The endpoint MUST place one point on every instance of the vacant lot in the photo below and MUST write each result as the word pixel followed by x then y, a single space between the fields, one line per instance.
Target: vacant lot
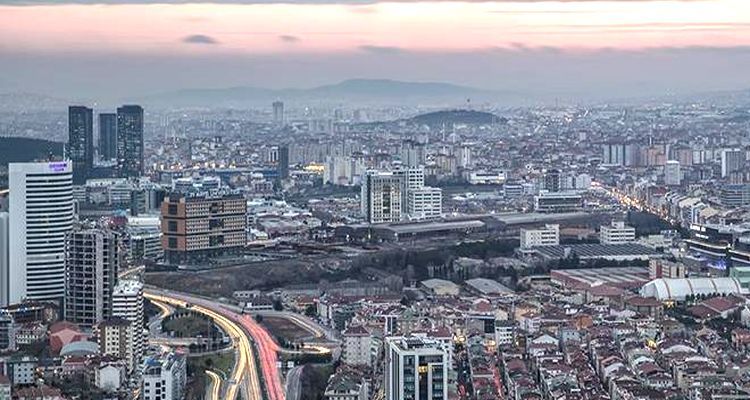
pixel 285 331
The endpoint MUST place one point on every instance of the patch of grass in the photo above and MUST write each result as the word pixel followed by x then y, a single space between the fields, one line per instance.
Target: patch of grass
pixel 188 326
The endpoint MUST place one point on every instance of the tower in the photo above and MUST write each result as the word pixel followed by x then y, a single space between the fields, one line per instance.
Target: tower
pixel 108 136
pixel 41 214
pixel 130 141
pixel 278 112
pixel 81 142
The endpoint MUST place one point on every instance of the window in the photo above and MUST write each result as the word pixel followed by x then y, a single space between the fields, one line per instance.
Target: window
pixel 172 226
pixel 172 209
pixel 172 243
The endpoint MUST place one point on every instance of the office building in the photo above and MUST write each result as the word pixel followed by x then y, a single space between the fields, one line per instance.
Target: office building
pixel 283 162
pixel 412 153
pixel 672 173
pixel 616 233
pixel 81 142
pixel 41 215
pixel 558 202
pixel 127 304
pixel 199 226
pixel 108 136
pixel 278 112
pixel 4 258
pixel 734 195
pixel 549 235
pixel 731 160
pixel 115 338
pixel 164 377
pixel 91 263
pixel 415 369
pixel 130 141
pixel 381 197
pixel 425 203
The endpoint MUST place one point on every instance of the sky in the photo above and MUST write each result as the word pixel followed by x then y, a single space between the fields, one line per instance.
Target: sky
pixel 615 48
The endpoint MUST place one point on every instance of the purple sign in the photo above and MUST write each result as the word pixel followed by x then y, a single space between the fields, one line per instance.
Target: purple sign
pixel 58 166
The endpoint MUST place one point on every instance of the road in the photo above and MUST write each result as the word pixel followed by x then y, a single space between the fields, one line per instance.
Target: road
pixel 213 390
pixel 268 356
pixel 293 383
pixel 245 372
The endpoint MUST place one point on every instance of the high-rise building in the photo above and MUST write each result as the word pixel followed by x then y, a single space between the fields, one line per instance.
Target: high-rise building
pixel 198 226
pixel 81 142
pixel 278 112
pixel 731 160
pixel 4 257
pixel 127 303
pixel 108 136
pixel 381 197
pixel 283 162
pixel 415 369
pixel 412 153
pixel 425 203
pixel 672 173
pixel 91 264
pixel 552 180
pixel 130 141
pixel 41 215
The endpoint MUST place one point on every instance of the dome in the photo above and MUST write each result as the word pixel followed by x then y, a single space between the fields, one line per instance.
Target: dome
pixel 679 289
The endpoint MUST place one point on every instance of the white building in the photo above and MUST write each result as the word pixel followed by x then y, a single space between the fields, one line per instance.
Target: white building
pixel 549 235
pixel 127 303
pixel 504 332
pixel 92 262
pixel 731 160
pixel 381 197
pixel 115 337
pixel 425 203
pixel 616 233
pixel 357 346
pixel 672 173
pixel 109 377
pixel 344 386
pixel 4 256
pixel 415 368
pixel 41 214
pixel 554 202
pixel 164 377
pixel 340 170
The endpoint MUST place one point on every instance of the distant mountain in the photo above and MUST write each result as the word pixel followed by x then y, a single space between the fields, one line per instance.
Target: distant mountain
pixel 18 149
pixel 361 90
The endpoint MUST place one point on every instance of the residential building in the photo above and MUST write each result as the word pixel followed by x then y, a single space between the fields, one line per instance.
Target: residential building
pixel 731 160
pixel 425 203
pixel 357 346
pixel 672 173
pixel 415 369
pixel 127 303
pixel 164 377
pixel 116 339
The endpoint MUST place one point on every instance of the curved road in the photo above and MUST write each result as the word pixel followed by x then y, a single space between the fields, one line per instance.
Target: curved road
pixel 214 386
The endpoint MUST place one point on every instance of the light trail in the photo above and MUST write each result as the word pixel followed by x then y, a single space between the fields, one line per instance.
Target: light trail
pixel 245 366
pixel 215 385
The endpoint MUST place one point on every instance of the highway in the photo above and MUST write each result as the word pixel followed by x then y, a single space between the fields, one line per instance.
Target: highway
pixel 245 373
pixel 213 390
pixel 293 382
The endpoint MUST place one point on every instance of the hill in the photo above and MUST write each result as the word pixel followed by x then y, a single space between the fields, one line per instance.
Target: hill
pixel 451 117
pixel 17 149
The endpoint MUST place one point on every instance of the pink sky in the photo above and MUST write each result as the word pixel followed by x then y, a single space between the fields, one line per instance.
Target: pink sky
pixel 338 27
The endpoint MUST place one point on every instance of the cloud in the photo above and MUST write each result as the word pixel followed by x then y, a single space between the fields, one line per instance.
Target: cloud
pixel 199 39
pixel 380 49
pixel 346 2
pixel 289 38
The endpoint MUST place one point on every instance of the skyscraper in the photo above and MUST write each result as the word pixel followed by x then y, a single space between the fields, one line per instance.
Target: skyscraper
pixel 283 162
pixel 415 368
pixel 278 112
pixel 4 257
pixel 108 136
pixel 91 265
pixel 130 141
pixel 41 215
pixel 81 142
pixel 731 160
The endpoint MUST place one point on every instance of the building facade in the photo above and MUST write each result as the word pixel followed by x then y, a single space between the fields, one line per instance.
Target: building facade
pixel 41 215
pixel 92 262
pixel 108 136
pixel 197 226
pixel 616 233
pixel 415 369
pixel 81 142
pixel 381 197
pixel 549 235
pixel 127 304
pixel 130 141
